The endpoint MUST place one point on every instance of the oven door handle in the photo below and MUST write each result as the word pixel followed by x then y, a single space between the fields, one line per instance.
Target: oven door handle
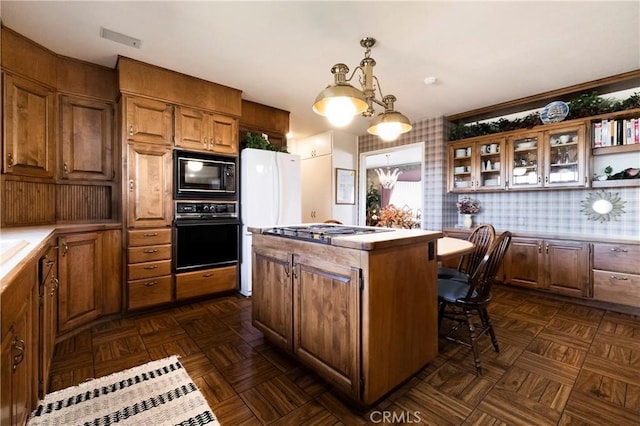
pixel 196 222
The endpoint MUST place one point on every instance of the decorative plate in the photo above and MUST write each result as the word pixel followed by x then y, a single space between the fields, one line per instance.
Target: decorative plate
pixel 554 112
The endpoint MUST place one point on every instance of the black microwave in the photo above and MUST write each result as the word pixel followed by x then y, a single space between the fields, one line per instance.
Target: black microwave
pixel 198 175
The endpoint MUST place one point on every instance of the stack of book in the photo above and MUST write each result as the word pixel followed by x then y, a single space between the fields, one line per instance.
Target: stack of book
pixel 616 132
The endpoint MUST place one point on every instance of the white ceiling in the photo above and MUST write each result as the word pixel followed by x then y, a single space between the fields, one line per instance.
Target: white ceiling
pixel 280 53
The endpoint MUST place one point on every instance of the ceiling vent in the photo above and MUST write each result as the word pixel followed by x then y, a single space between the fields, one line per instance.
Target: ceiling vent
pixel 120 38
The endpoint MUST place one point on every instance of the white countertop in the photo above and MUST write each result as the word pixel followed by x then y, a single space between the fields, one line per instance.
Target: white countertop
pixel 18 244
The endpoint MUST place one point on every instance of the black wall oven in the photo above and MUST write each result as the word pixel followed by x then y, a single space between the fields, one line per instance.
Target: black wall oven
pixel 206 235
pixel 202 176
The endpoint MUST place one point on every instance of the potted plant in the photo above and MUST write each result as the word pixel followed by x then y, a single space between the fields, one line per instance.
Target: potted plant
pixel 258 141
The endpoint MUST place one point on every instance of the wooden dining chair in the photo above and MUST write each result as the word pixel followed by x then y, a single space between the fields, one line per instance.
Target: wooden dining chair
pixel 482 236
pixel 465 303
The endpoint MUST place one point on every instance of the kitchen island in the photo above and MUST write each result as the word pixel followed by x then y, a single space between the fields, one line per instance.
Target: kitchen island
pixel 357 306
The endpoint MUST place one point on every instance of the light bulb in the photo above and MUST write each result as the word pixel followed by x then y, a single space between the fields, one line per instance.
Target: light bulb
pixel 389 131
pixel 340 111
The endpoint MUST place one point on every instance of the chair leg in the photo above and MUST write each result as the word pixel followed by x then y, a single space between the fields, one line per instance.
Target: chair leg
pixel 473 337
pixel 484 314
pixel 441 306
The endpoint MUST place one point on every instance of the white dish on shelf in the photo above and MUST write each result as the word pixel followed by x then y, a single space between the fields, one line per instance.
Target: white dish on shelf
pixel 461 152
pixel 490 182
pixel 462 184
pixel 529 144
pixel 459 169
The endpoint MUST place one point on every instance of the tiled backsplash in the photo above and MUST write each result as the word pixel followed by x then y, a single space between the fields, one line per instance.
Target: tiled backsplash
pixel 544 211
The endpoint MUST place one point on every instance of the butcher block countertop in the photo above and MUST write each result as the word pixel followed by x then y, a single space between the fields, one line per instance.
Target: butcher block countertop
pixel 392 237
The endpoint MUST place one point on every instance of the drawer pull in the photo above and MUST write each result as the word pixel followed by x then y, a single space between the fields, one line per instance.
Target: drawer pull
pixel 151 267
pixel 615 277
pixel 151 251
pixel 619 250
pixel 19 346
pixel 150 283
pixel 151 234
pixel 207 275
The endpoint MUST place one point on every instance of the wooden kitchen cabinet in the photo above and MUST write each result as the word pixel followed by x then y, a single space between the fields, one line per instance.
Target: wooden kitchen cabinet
pixel 148 120
pixel 616 273
pixel 28 128
pixel 86 139
pixel 149 186
pixel 272 308
pixel 81 279
pixel 565 159
pixel 559 266
pixel 207 132
pixel 477 165
pixel 48 293
pixel 326 324
pixel 149 279
pixel 316 178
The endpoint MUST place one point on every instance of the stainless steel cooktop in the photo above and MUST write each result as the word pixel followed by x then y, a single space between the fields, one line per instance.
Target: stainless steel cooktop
pixel 320 233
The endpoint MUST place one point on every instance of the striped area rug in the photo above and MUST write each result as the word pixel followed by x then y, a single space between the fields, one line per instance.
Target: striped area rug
pixel 157 393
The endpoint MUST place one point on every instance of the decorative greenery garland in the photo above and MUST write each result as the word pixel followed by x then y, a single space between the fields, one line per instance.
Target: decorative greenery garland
pixel 585 105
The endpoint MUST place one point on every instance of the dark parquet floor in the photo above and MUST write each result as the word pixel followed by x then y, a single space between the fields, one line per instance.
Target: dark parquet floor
pixel 559 364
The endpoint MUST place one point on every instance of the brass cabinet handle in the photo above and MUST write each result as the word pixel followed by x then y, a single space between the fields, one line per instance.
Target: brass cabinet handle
pixel 151 267
pixel 131 185
pixel 131 130
pixel 55 284
pixel 286 269
pixel 151 251
pixel 150 283
pixel 619 250
pixel 205 144
pixel 546 179
pixel 207 275
pixel 539 179
pixel 65 167
pixel 546 248
pixel 539 248
pixel 615 277
pixel 19 346
pixel 10 160
pixel 65 248
pixel 293 267
pixel 151 234
pixel 49 262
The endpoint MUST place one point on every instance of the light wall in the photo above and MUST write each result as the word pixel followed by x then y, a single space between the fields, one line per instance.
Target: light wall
pixel 543 212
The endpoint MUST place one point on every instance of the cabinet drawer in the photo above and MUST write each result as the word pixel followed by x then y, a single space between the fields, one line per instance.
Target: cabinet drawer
pixel 617 257
pixel 208 281
pixel 150 292
pixel 147 237
pixel 616 287
pixel 149 253
pixel 139 271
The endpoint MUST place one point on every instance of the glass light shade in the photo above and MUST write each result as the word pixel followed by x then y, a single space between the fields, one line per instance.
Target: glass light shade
pixel 324 102
pixel 340 111
pixel 389 125
pixel 388 179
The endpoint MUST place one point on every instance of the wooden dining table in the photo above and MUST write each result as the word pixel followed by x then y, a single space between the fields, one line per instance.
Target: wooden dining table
pixel 449 247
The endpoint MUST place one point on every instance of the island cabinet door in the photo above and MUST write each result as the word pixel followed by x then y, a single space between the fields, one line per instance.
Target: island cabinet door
pixel 271 297
pixel 326 322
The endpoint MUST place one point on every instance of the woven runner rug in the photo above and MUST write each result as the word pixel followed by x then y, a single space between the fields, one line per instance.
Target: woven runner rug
pixel 157 393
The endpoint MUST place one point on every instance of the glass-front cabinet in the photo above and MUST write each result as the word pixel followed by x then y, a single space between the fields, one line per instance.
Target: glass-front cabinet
pixel 525 168
pixel 565 158
pixel 477 165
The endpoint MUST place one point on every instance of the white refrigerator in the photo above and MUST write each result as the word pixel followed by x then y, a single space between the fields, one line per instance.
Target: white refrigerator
pixel 270 195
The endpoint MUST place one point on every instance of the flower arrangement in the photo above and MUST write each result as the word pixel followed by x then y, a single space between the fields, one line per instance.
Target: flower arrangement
pixel 393 217
pixel 468 205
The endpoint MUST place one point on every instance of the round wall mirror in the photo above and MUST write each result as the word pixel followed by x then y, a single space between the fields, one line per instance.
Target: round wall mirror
pixel 603 206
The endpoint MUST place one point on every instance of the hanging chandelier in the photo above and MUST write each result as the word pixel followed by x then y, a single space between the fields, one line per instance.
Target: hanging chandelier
pixel 388 178
pixel 341 101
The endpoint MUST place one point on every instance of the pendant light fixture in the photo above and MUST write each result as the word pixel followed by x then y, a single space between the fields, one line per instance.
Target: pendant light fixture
pixel 341 101
pixel 388 178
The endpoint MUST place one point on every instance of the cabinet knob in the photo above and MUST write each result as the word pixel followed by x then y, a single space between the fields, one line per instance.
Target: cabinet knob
pixel 65 167
pixel 539 248
pixel 65 248
pixel 9 160
pixel 205 143
pixel 131 130
pixel 131 185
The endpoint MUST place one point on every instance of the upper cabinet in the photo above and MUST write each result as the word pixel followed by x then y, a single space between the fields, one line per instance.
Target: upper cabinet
pixel 86 139
pixel 477 165
pixel 28 140
pixel 148 121
pixel 203 131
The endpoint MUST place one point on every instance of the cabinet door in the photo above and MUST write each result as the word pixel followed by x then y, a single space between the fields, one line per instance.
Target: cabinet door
pixel 87 139
pixel 49 314
pixel 326 312
pixel 567 267
pixel 192 129
pixel 271 295
pixel 28 129
pixel 80 271
pixel 462 166
pixel 525 163
pixel 522 264
pixel 224 136
pixel 149 186
pixel 148 121
pixel 317 189
pixel 565 157
pixel 491 154
pixel 315 146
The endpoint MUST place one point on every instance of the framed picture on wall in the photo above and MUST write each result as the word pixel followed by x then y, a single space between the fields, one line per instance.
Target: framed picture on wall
pixel 345 186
